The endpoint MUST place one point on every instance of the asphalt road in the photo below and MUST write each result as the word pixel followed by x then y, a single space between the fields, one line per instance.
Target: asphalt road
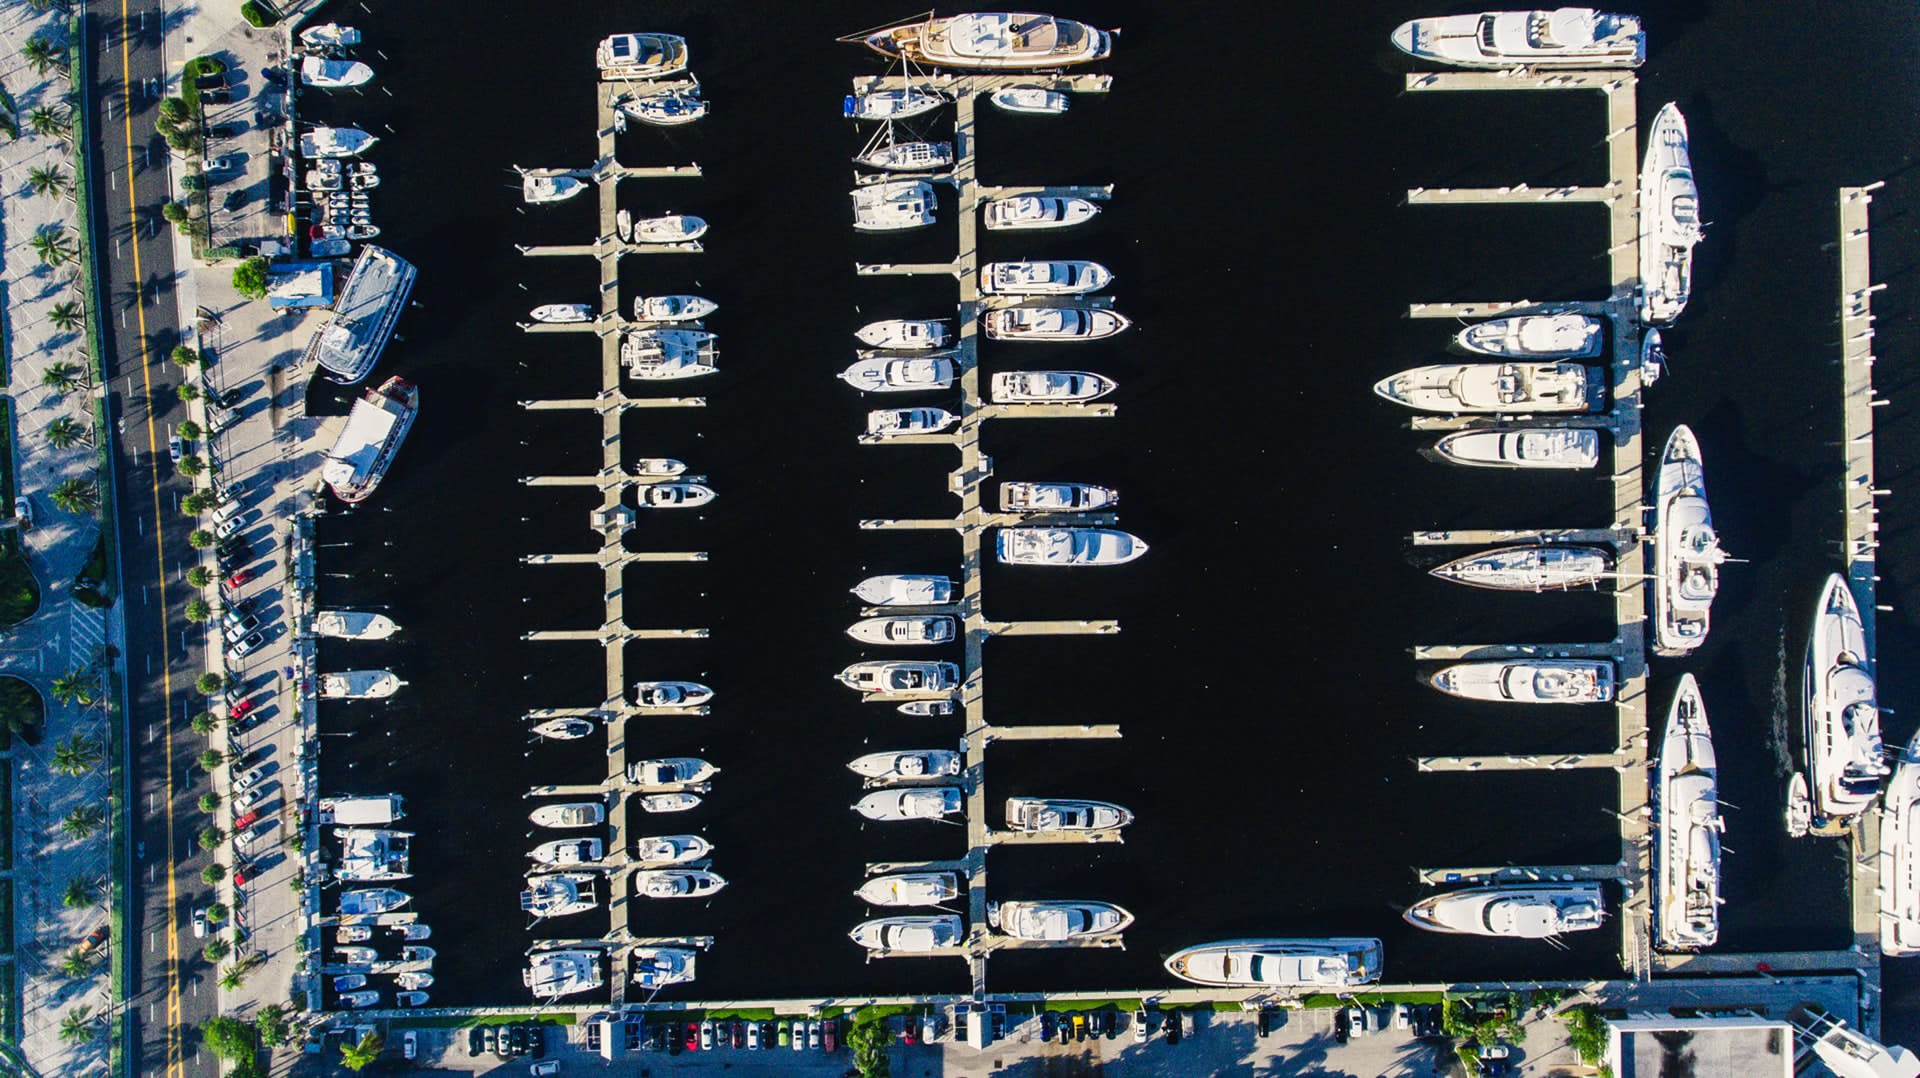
pixel 171 988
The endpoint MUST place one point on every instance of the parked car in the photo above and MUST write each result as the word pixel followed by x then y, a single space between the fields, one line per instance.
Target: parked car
pixel 23 513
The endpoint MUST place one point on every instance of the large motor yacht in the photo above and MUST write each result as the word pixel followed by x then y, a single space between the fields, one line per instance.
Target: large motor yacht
pixel 892 207
pixel 1052 323
pixel 559 894
pixel 903 630
pixel 569 814
pixel 1067 546
pixel 662 851
pixel 900 374
pixel 1062 278
pixel 1058 919
pixel 908 764
pixel 1529 447
pixel 1024 212
pixel 1845 757
pixel 1280 963
pixel 993 41
pixel 1491 387
pixel 905 589
pixel 903 676
pixel 1686 828
pixel 1537 567
pixel 1686 550
pixel 568 851
pixel 677 883
pixel 657 967
pixel 1534 336
pixel 1048 387
pixel 911 803
pixel 641 56
pixel 1042 815
pixel 1670 224
pixel 670 772
pixel 1516 911
pixel 563 972
pixel 910 889
pixel 1900 857
pixel 1562 37
pixel 1529 681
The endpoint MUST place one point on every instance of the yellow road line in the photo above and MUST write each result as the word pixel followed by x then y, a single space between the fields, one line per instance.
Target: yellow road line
pixel 175 1065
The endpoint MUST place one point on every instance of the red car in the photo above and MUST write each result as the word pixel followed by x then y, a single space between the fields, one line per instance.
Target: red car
pixel 693 1036
pixel 240 709
pixel 233 582
pixel 246 821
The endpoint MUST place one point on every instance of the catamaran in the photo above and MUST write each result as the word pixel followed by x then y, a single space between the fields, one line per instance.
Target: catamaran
pixel 1537 567
pixel 1529 681
pixel 993 41
pixel 1670 224
pixel 1532 447
pixel 1686 828
pixel 1563 37
pixel 1534 336
pixel 1841 718
pixel 1686 549
pixel 1516 911
pixel 1290 963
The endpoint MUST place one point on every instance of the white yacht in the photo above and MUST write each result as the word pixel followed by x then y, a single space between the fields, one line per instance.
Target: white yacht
pixel 330 36
pixel 1067 546
pixel 910 935
pixel 1058 919
pixel 563 312
pixel 569 815
pixel 902 676
pixel 673 495
pixel 891 207
pixel 672 308
pixel 1670 224
pixel 1534 336
pixel 559 894
pixel 993 41
pixel 373 900
pixel 904 629
pixel 669 108
pixel 1280 963
pixel 1686 828
pixel 658 967
pixel 677 883
pixel 1055 497
pixel 335 142
pixel 1845 758
pixel 673 802
pixel 670 228
pixel 567 729
pixel 567 851
pixel 1562 37
pixel 905 589
pixel 911 803
pixel 563 972
pixel 908 764
pixel 1686 549
pixel 667 354
pixel 895 422
pixel 1490 387
pixel 652 467
pixel 908 157
pixel 1530 447
pixel 365 997
pixel 890 105
pixel 1023 212
pixel 1060 278
pixel 669 772
pixel 539 188
pixel 1528 911
pixel 1031 100
pixel 1049 387
pixel 325 74
pixel 1529 681
pixel 904 334
pixel 641 56
pixel 359 685
pixel 661 851
pixel 1052 323
pixel 1036 815
pixel 904 374
pixel 910 889
pixel 353 625
pixel 670 693
pixel 1536 567
pixel 1900 857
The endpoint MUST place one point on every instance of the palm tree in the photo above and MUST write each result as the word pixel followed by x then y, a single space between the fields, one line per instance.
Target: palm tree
pixel 66 315
pixel 76 686
pixel 76 965
pixel 358 1056
pixel 78 496
pixel 77 1025
pixel 49 121
pixel 76 755
pixel 40 55
pixel 83 821
pixel 61 377
pixel 65 432
pixel 47 181
pixel 79 893
pixel 51 243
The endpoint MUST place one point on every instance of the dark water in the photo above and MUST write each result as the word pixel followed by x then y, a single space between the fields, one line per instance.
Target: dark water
pixel 1270 710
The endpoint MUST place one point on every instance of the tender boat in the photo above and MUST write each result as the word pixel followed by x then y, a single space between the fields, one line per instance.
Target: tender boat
pixel 909 935
pixel 1529 681
pixel 911 803
pixel 892 105
pixel 1534 336
pixel 1042 815
pixel 570 729
pixel 672 308
pixel 908 157
pixel 1061 278
pixel 905 589
pixel 567 851
pixel 1057 919
pixel 1037 211
pixel 357 956
pixel 661 851
pixel 891 207
pixel 658 466
pixel 569 815
pixel 1563 37
pixel 366 997
pixel 641 56
pixel 1686 828
pixel 350 981
pixel 895 422
pixel 1490 387
pixel 671 693
pixel 1900 857
pixel 1686 549
pixel 329 36
pixel 1533 447
pixel 1052 324
pixel 668 354
pixel 1516 911
pixel 1536 567
pixel 674 802
pixel 1055 497
pixel 325 74
pixel 1845 758
pixel 907 374
pixel 910 889
pixel 993 41
pixel 564 312
pixel 373 900
pixel 901 677
pixel 672 228
pixel 1280 963
pixel 559 894
pixel 902 334
pixel 1032 100
pixel 677 883
pixel 1049 387
pixel 375 430
pixel 1670 224
pixel 906 629
pixel 335 142
pixel 910 764
pixel 668 772
pixel 1799 812
pixel 669 108
pixel 538 188
pixel 410 999
pixel 658 967
pixel 1068 546
pixel 925 708
pixel 673 495
pixel 563 972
